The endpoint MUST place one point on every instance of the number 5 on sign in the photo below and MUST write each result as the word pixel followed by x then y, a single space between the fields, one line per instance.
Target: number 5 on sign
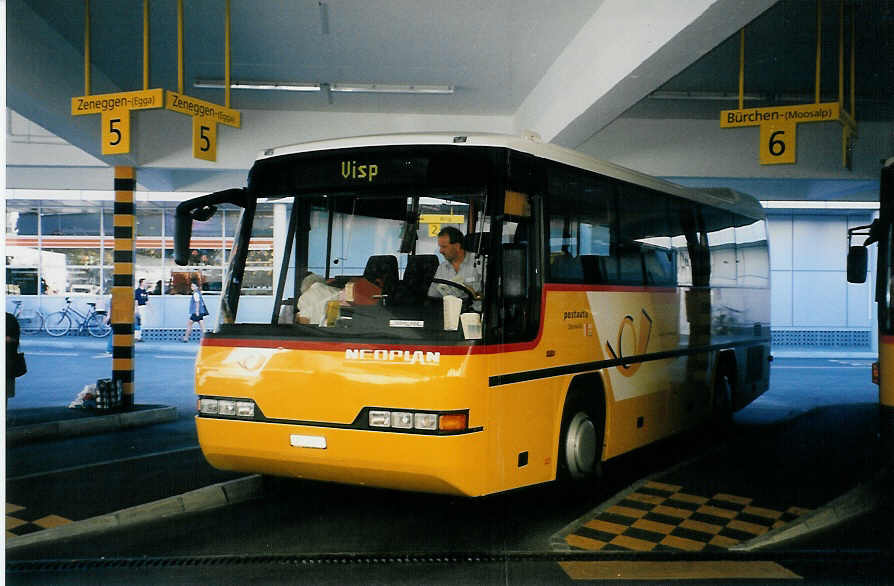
pixel 778 142
pixel 115 132
pixel 204 138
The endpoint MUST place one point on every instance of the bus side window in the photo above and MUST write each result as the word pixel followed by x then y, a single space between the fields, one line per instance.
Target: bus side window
pixel 659 267
pixel 630 264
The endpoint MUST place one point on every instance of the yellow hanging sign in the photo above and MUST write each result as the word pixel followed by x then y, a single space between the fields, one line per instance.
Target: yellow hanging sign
pixel 441 219
pixel 778 140
pixel 823 112
pixel 115 110
pixel 778 126
pixel 138 100
pixel 204 138
pixel 116 132
pixel 206 116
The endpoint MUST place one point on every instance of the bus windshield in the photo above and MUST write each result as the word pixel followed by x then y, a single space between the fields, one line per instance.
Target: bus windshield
pixel 362 261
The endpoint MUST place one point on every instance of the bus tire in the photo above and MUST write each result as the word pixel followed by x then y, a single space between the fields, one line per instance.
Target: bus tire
pixel 580 441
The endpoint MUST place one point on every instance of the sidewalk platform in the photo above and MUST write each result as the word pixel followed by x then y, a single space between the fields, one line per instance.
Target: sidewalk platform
pixel 88 500
pixel 45 507
pixel 772 484
pixel 47 423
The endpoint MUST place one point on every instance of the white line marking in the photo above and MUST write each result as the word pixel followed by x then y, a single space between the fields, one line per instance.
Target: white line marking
pixel 52 354
pixel 840 367
pixel 174 356
pixel 103 463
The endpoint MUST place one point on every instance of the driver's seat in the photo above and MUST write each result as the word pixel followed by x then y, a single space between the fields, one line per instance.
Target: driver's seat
pixel 420 271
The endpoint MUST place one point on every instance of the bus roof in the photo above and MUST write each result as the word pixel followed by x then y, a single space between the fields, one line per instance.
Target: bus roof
pixel 742 203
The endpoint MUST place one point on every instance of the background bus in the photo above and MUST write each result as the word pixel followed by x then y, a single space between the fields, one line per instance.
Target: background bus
pixel 880 231
pixel 614 309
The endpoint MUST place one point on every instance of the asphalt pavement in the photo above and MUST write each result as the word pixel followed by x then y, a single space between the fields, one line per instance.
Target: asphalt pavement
pixel 59 368
pixel 805 457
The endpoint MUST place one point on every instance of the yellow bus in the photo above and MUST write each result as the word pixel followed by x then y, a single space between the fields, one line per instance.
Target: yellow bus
pixel 595 311
pixel 881 231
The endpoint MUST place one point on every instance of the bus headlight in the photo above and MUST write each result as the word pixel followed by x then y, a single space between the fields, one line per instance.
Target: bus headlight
pixel 380 418
pixel 208 406
pixel 402 420
pixel 245 409
pixel 450 421
pixel 427 421
pixel 226 407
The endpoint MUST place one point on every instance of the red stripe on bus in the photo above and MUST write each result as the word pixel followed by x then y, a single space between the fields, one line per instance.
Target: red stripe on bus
pixel 608 288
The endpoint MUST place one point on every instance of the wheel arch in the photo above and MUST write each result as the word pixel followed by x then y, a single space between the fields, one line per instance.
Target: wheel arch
pixel 585 390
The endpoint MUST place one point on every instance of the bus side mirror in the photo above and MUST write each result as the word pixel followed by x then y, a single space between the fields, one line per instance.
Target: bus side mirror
pixel 856 264
pixel 201 209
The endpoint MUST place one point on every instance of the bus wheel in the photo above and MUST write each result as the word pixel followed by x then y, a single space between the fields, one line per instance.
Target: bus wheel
pixel 580 444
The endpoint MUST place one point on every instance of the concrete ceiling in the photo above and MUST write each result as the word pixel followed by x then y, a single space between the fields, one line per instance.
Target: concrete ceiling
pixel 565 70
pixel 780 62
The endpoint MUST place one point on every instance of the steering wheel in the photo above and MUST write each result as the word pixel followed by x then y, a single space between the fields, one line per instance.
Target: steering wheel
pixel 470 295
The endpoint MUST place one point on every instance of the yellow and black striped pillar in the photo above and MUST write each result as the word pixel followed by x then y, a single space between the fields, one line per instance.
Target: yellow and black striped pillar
pixel 123 283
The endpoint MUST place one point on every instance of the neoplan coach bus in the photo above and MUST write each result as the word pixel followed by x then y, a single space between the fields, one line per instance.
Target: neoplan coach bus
pixel 607 310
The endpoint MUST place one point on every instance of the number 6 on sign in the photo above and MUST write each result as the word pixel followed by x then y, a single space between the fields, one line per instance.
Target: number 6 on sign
pixel 204 138
pixel 115 132
pixel 778 142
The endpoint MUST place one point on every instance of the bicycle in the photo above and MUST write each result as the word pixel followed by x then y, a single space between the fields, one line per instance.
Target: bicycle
pixel 59 322
pixel 30 321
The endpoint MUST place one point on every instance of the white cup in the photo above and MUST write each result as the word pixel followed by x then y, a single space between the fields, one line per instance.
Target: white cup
pixel 452 306
pixel 471 325
pixel 286 314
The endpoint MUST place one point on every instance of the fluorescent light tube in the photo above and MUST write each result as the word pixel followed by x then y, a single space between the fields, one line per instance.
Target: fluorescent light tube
pixel 287 86
pixel 386 88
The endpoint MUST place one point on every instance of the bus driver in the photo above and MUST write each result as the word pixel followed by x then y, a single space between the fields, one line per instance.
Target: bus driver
pixel 459 266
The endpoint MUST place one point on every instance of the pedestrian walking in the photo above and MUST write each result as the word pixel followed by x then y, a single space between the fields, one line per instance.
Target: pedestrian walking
pixel 197 312
pixel 141 300
pixel 107 319
pixel 15 360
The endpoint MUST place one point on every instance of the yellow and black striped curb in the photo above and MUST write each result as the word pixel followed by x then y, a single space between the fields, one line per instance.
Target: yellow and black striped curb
pixel 203 499
pixel 654 516
pixel 88 425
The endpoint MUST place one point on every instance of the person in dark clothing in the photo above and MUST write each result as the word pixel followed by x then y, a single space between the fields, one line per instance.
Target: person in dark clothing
pixel 141 299
pixel 12 355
